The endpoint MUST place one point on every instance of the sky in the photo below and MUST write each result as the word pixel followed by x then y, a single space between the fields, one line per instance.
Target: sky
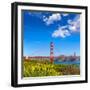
pixel 42 27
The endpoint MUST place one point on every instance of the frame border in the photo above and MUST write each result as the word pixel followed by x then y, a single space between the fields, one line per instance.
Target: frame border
pixel 14 43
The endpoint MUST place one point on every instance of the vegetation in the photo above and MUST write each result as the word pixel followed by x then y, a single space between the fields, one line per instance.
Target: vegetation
pixel 39 68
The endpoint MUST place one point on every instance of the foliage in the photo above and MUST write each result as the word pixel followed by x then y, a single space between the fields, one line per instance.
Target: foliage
pixel 39 68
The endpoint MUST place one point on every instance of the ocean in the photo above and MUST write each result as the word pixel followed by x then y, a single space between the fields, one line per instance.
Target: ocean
pixel 76 62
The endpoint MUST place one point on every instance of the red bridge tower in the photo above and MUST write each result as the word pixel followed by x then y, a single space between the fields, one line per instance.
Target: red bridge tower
pixel 51 52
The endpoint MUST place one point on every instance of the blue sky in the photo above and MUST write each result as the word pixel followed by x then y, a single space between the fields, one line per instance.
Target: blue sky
pixel 40 28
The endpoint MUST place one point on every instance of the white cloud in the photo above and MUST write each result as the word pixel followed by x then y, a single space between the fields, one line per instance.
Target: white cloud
pixel 65 14
pixel 72 28
pixel 64 31
pixel 36 14
pixel 61 33
pixel 74 25
pixel 51 19
pixel 69 21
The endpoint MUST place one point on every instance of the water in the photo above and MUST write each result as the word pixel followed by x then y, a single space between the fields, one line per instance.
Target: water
pixel 76 62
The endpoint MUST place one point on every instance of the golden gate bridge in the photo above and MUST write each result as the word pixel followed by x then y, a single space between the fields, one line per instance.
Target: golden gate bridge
pixel 51 57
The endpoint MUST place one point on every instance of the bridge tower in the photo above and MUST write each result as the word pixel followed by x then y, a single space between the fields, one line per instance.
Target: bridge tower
pixel 51 52
pixel 74 54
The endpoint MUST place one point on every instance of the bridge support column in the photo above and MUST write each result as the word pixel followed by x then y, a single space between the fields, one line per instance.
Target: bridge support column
pixel 51 52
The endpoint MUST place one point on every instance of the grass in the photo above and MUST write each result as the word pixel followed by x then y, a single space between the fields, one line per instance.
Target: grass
pixel 40 68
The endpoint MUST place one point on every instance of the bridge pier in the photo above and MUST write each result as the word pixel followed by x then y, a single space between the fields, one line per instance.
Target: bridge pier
pixel 51 52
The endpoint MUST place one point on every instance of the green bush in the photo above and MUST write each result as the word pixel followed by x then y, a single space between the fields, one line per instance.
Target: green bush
pixel 39 68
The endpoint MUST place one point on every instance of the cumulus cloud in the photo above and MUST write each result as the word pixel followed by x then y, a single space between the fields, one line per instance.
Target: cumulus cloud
pixel 71 27
pixel 36 14
pixel 65 14
pixel 74 25
pixel 51 19
pixel 61 32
